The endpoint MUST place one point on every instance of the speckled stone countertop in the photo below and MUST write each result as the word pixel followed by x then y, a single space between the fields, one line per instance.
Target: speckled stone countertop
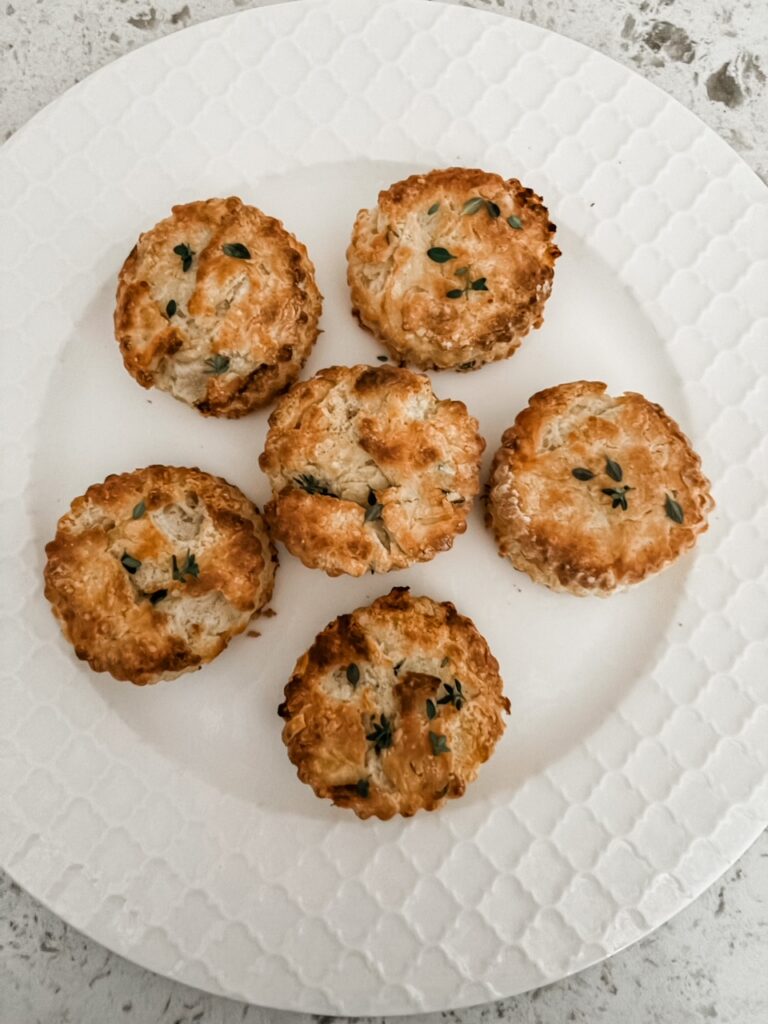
pixel 709 963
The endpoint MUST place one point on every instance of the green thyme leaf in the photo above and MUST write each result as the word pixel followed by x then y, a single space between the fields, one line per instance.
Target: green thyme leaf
pixel 353 674
pixel 236 250
pixel 217 364
pixel 492 208
pixel 466 366
pixel 613 469
pixel 673 509
pixel 454 293
pixel 479 285
pixel 130 564
pixel 190 568
pixel 312 485
pixel 396 668
pixel 381 736
pixel 157 595
pixel 618 496
pixel 472 205
pixel 431 710
pixel 439 744
pixel 139 510
pixel 363 788
pixel 453 695
pixel 433 209
pixel 446 661
pixel 439 255
pixel 582 474
pixel 374 509
pixel 185 254
pixel 461 272
pixel 514 222
pixel 170 309
pixel 383 359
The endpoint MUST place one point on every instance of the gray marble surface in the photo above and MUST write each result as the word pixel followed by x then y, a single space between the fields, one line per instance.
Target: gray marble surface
pixel 709 963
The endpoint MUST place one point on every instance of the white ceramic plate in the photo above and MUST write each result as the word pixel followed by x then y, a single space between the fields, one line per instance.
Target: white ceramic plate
pixel 167 822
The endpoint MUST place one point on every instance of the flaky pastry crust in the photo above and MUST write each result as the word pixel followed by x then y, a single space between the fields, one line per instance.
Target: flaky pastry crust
pixel 369 470
pixel 637 500
pixel 218 305
pixel 467 310
pixel 394 708
pixel 152 572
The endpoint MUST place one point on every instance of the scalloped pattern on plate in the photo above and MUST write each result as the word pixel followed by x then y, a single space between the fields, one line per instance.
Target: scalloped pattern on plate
pixel 601 845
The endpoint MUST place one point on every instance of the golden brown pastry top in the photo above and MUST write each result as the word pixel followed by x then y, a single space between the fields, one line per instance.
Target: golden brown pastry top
pixel 589 493
pixel 152 572
pixel 495 246
pixel 369 470
pixel 394 707
pixel 218 305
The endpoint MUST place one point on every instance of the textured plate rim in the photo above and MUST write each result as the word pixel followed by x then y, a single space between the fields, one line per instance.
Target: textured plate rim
pixel 219 26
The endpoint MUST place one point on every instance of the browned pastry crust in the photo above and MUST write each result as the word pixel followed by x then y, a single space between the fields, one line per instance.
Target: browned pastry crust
pixel 568 533
pixel 238 328
pixel 429 313
pixel 369 470
pixel 380 694
pixel 152 572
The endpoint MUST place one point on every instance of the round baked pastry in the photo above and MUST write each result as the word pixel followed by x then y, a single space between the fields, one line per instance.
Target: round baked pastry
pixel 590 493
pixel 452 269
pixel 218 305
pixel 152 572
pixel 394 707
pixel 369 470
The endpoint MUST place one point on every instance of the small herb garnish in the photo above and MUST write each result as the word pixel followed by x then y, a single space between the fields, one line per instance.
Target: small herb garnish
pixel 431 710
pixel 374 509
pixel 383 359
pixel 396 668
pixel 453 695
pixel 312 485
pixel 439 255
pixel 477 203
pixel 478 285
pixel 514 222
pixel 236 250
pixel 190 568
pixel 613 469
pixel 618 496
pixel 139 510
pixel 466 366
pixel 130 564
pixel 185 254
pixel 433 209
pixel 673 509
pixel 446 661
pixel 217 364
pixel 363 788
pixel 381 736
pixel 353 674
pixel 439 744
pixel 157 595
pixel 170 309
pixel 582 474
pixel 472 205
